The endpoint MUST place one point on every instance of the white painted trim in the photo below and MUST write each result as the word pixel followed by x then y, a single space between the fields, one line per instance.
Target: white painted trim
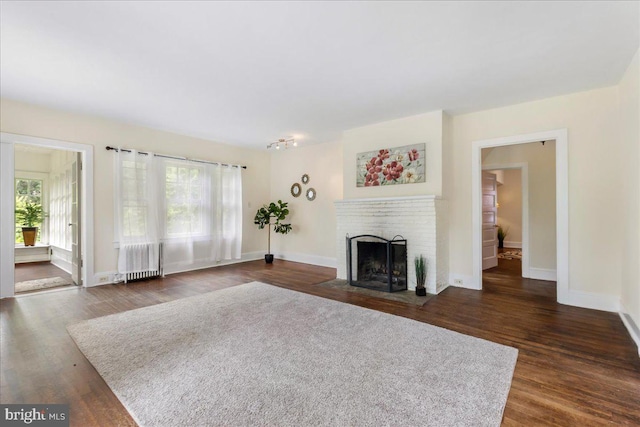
pixel 524 182
pixel 44 177
pixel 542 274
pixel 467 281
pixel 47 291
pixel 60 262
pixel 7 222
pixel 593 301
pixel 388 199
pixel 441 287
pixel 109 278
pixel 87 200
pixel 562 203
pixel 508 244
pixel 562 215
pixel 631 326
pixel 308 259
pixel 32 254
pixel 248 256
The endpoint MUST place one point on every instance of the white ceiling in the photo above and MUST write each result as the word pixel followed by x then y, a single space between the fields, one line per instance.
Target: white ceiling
pixel 248 73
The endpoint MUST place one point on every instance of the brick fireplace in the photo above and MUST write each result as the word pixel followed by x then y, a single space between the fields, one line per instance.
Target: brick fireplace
pixel 421 220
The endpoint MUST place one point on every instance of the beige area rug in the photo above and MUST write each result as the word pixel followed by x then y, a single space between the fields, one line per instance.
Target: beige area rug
pixel 36 285
pixel 402 296
pixel 256 354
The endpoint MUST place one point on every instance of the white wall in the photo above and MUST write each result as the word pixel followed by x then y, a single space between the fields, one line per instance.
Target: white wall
pixel 542 197
pixel 594 181
pixel 25 119
pixel 510 210
pixel 424 128
pixel 32 161
pixel 628 213
pixel 313 238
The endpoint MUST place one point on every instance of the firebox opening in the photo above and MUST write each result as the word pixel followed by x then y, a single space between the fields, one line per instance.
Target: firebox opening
pixel 380 265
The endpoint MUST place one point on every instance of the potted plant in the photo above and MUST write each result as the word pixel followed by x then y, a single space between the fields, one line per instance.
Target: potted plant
pixel 29 214
pixel 272 214
pixel 502 233
pixel 421 275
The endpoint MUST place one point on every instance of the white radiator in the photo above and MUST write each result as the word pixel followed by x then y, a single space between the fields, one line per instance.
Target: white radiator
pixel 140 275
pixel 146 274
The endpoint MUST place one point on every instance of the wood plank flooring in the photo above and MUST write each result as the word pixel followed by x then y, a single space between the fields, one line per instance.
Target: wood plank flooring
pixel 38 270
pixel 575 366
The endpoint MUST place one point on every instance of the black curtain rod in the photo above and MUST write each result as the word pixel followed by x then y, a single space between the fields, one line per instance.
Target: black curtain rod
pixel 175 157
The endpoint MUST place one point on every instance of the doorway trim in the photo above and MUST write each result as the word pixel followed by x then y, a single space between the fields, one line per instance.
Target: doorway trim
pixel 524 178
pixel 562 202
pixel 7 201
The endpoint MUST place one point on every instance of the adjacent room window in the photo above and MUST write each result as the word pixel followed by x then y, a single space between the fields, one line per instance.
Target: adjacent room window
pixel 28 191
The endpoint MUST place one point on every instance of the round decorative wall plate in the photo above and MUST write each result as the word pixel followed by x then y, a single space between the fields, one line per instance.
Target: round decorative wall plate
pixel 311 194
pixel 296 190
pixel 305 179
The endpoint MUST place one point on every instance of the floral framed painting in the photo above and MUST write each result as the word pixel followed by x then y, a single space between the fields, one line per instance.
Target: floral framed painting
pixel 391 166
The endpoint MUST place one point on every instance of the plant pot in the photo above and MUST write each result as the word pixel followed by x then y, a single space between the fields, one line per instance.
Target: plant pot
pixel 500 244
pixel 421 292
pixel 29 235
pixel 268 258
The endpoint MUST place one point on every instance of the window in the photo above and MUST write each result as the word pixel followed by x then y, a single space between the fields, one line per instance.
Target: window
pixel 28 191
pixel 184 189
pixel 194 209
pixel 135 199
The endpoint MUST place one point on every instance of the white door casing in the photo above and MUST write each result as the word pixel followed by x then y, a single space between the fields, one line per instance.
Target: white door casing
pixel 562 203
pixel 75 224
pixel 7 221
pixel 489 218
pixel 7 202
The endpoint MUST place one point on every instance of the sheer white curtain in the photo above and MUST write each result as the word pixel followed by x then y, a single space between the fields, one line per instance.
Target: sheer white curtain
pixel 136 212
pixel 201 213
pixel 226 220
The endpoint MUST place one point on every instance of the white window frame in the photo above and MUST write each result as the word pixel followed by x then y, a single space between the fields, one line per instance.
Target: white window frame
pixel 44 177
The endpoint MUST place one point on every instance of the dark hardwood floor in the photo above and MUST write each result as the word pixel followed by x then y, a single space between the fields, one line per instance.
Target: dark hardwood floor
pixel 575 366
pixel 38 270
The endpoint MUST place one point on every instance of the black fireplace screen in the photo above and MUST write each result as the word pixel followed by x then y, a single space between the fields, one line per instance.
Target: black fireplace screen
pixel 377 263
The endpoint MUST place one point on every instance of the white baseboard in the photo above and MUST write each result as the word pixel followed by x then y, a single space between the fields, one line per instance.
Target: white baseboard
pixel 631 326
pixel 25 254
pixel 102 278
pixel 61 258
pixel 108 277
pixel 510 244
pixel 441 287
pixel 593 301
pixel 248 256
pixel 462 281
pixel 542 274
pixel 61 264
pixel 308 259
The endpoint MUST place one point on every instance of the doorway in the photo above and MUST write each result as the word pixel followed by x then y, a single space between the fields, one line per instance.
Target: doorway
pixel 47 218
pixel 512 205
pixel 561 203
pixel 82 184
